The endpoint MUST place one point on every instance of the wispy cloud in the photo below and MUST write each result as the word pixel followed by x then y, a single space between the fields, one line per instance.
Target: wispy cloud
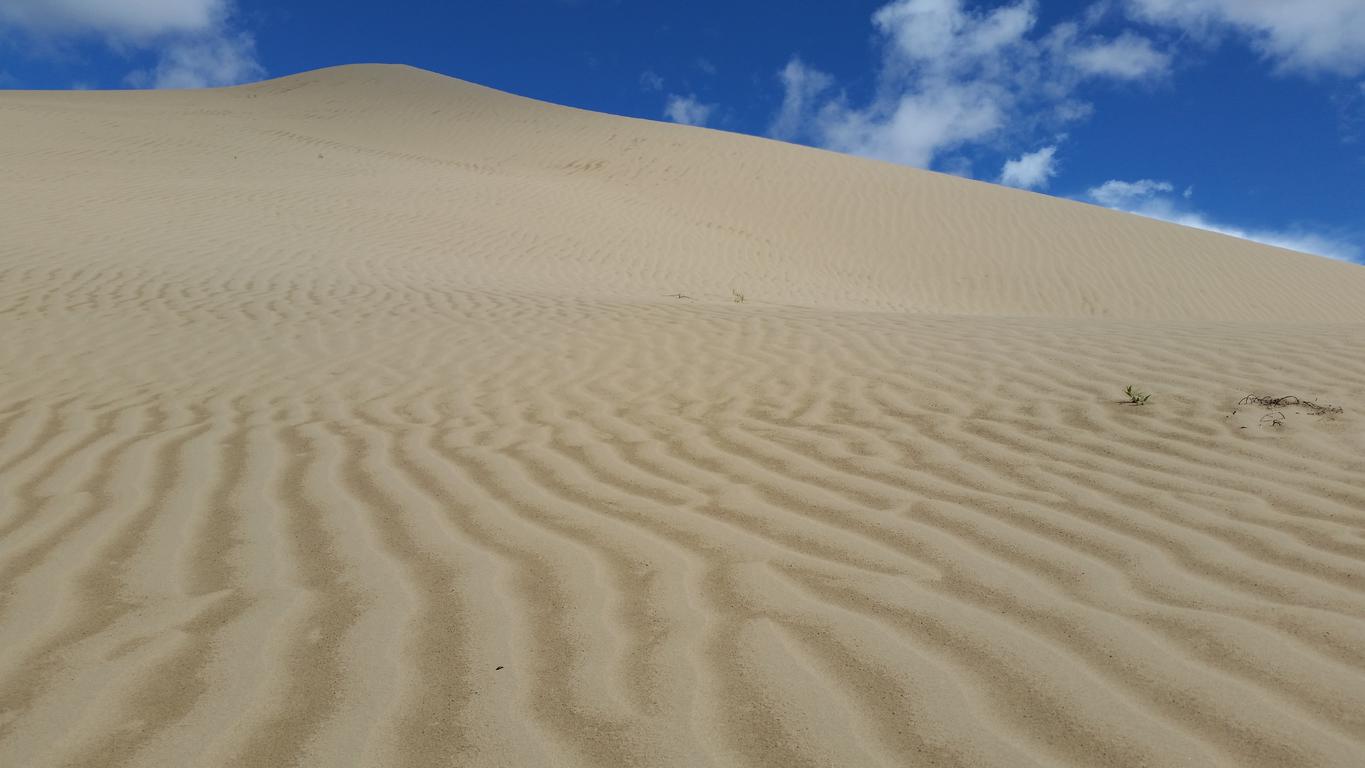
pixel 196 42
pixel 137 20
pixel 801 89
pixel 651 80
pixel 688 110
pixel 1032 170
pixel 200 62
pixel 1125 195
pixel 1126 57
pixel 1303 35
pixel 1350 106
pixel 1156 199
pixel 952 77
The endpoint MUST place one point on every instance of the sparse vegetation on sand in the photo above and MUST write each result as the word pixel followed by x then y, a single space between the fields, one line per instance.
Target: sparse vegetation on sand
pixel 1292 401
pixel 1276 407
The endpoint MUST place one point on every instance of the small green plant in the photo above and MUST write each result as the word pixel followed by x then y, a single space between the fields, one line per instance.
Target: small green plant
pixel 736 296
pixel 1134 396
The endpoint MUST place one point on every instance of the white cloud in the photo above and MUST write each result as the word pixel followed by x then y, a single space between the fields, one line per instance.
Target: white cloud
pixel 915 127
pixel 1154 199
pixel 136 20
pixel 1127 57
pixel 946 80
pixel 651 81
pixel 1032 170
pixel 1125 194
pixel 801 87
pixel 194 41
pixel 1303 35
pixel 945 37
pixel 203 63
pixel 687 110
pixel 952 77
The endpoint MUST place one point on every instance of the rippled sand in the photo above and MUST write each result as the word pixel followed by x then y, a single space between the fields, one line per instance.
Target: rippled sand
pixel 368 417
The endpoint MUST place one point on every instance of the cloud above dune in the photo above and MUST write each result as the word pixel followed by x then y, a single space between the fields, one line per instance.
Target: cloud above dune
pixel 1032 170
pixel 801 88
pixel 1156 199
pixel 1310 36
pixel 224 59
pixel 1124 194
pixel 687 110
pixel 123 20
pixel 195 43
pixel 959 83
pixel 951 77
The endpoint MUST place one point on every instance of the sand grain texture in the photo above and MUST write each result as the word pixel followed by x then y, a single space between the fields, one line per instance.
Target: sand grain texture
pixel 346 419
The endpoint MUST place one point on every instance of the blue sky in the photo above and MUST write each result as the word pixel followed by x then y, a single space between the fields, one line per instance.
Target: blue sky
pixel 1245 116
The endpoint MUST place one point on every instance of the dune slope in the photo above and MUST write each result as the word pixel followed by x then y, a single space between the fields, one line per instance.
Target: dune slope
pixel 369 417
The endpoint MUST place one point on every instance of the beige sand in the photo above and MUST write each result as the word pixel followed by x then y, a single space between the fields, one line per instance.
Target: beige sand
pixel 347 419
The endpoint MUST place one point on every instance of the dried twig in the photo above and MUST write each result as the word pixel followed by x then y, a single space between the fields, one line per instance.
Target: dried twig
pixel 1285 401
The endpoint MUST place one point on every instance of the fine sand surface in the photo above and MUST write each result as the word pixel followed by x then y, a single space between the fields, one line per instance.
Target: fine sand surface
pixel 346 419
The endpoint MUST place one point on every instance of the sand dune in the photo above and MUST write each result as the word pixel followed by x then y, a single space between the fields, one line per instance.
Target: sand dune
pixel 353 418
